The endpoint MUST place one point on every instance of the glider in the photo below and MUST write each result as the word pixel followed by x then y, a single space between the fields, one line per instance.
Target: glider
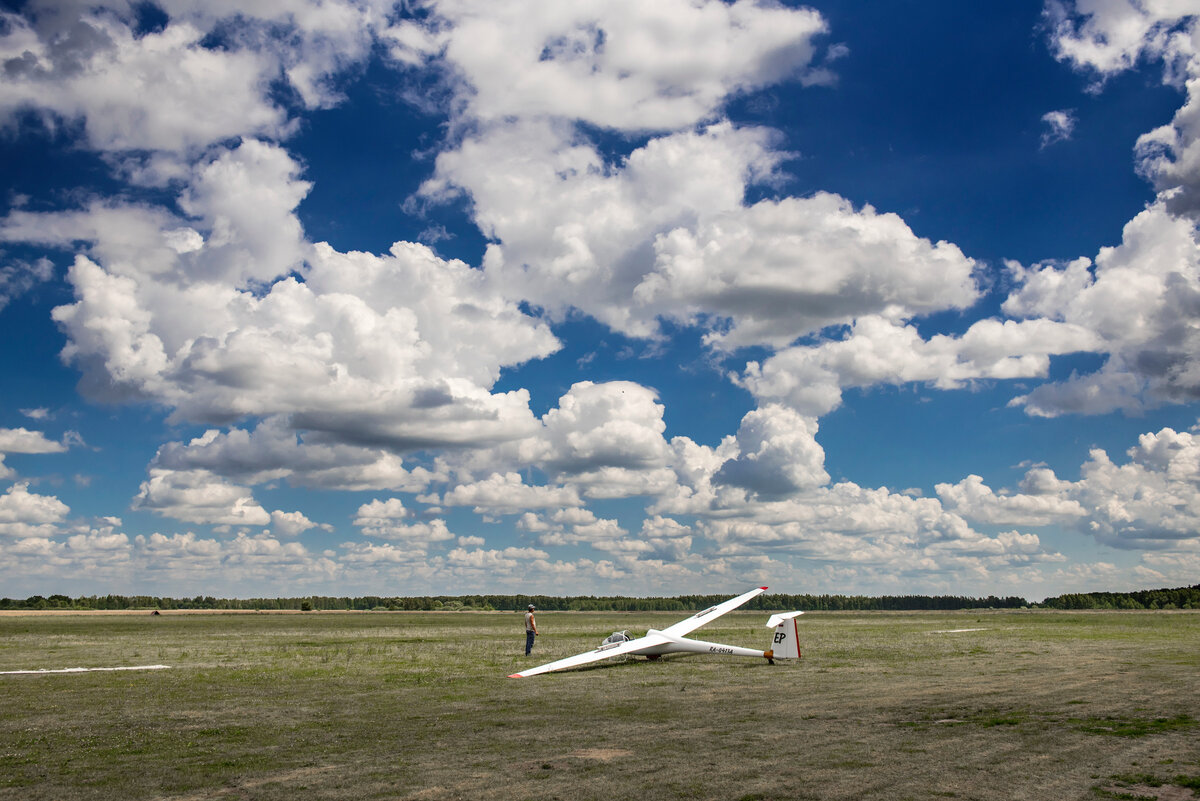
pixel 671 640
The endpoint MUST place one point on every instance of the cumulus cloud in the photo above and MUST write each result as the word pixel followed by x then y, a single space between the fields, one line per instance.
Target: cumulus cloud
pixel 669 539
pixel 196 81
pixel 273 451
pixel 1110 37
pixel 378 372
pixel 581 527
pixel 574 231
pixel 1106 38
pixel 199 496
pixel 872 529
pixel 810 378
pixel 605 438
pixel 22 440
pixel 778 454
pixel 779 270
pixel 667 227
pixel 974 500
pixel 1152 501
pixel 381 520
pixel 28 514
pixel 187 561
pixel 1140 300
pixel 614 424
pixel 377 512
pixel 1169 156
pixel 624 64
pixel 376 349
pixel 163 90
pixel 507 493
pixel 291 524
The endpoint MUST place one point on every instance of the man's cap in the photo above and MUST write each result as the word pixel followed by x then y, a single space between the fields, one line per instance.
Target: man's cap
pixel 532 607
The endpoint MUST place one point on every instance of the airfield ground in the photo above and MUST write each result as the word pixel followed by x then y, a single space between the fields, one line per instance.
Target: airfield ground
pixel 1026 705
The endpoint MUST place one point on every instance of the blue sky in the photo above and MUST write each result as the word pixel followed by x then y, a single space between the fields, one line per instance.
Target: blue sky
pixel 360 297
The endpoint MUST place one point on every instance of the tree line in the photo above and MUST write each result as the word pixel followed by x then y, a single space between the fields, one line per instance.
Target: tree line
pixel 1180 598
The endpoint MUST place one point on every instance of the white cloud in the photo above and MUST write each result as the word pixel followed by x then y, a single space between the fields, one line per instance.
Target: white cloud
pixel 605 439
pixel 480 559
pixel 853 526
pixel 378 513
pixel 208 75
pixel 811 378
pixel 506 493
pixel 398 350
pixel 245 198
pixel 199 496
pixel 380 520
pixel 1151 502
pixel 670 539
pixel 778 454
pixel 667 227
pixel 974 500
pixel 182 564
pixel 419 534
pixel 27 514
pixel 370 554
pixel 1169 156
pixel 1140 504
pixel 1139 300
pixel 273 450
pixel 624 64
pixel 19 277
pixel 1060 125
pixel 291 524
pixel 1106 37
pixel 163 90
pixel 779 270
pixel 1167 570
pixel 575 232
pixel 22 440
pixel 1110 36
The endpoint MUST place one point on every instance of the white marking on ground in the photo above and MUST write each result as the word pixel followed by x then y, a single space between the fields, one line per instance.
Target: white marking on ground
pixel 84 670
pixel 955 631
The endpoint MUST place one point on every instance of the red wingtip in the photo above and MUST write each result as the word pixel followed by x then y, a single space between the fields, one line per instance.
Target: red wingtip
pixel 515 676
pixel 762 588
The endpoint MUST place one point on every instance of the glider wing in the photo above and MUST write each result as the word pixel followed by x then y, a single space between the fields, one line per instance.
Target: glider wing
pixel 603 652
pixel 697 620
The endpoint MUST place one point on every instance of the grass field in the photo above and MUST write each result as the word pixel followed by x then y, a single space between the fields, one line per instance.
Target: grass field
pixel 1033 705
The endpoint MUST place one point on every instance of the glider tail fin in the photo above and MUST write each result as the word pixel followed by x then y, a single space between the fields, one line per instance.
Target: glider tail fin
pixel 785 643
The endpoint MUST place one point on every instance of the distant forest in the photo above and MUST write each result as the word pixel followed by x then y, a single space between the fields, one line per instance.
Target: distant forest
pixel 1181 598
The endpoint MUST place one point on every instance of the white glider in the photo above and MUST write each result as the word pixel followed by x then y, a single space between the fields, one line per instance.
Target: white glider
pixel 671 640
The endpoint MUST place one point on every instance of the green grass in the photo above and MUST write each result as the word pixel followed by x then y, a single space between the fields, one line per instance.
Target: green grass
pixel 1135 727
pixel 416 705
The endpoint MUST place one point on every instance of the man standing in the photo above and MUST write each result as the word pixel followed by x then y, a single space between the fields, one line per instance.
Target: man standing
pixel 530 630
